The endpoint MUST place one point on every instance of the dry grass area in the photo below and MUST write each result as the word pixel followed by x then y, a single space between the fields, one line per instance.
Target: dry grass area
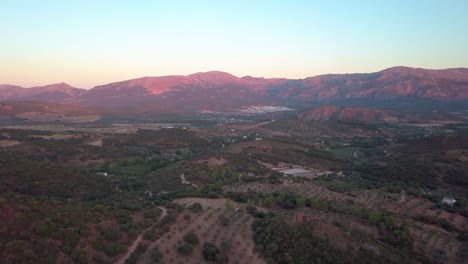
pixel 459 154
pixel 8 143
pixel 216 224
pixel 96 143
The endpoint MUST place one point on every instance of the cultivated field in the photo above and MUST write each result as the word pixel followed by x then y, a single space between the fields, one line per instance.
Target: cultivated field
pixel 318 129
pixel 217 224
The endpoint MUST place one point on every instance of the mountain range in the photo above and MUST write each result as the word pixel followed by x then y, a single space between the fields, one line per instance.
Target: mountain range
pixel 395 88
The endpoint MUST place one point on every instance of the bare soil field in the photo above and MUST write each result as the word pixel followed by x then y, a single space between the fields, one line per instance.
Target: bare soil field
pixel 8 143
pixel 300 171
pixel 57 136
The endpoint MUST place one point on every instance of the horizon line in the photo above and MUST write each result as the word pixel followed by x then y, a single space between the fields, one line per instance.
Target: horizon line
pixel 225 72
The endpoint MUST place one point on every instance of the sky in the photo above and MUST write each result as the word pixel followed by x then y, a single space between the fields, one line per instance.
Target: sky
pixel 87 43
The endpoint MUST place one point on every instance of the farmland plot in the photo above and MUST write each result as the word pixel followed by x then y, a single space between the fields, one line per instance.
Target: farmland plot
pixel 223 226
pixel 263 144
pixel 317 129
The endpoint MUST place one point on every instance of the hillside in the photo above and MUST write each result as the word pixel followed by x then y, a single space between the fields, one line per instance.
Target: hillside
pixel 373 115
pixel 398 87
pixel 45 111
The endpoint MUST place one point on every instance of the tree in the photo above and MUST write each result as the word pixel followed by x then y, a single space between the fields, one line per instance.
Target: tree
pixel 209 251
pixel 191 238
pixel 185 250
pixel 150 235
pixel 251 209
pixel 156 255
pixel 221 258
pixel 196 208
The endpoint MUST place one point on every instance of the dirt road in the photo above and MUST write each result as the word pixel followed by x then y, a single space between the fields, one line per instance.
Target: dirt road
pixel 135 243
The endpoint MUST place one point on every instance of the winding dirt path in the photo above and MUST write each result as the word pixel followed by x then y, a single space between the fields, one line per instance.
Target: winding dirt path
pixel 135 243
pixel 184 181
pixel 355 154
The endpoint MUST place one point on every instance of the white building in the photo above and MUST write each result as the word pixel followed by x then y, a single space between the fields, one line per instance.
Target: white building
pixel 448 200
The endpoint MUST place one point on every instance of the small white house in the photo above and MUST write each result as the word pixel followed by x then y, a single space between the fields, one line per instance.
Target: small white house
pixel 448 200
pixel 340 174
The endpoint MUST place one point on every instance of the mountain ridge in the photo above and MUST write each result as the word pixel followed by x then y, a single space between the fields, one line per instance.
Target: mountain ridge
pixel 222 91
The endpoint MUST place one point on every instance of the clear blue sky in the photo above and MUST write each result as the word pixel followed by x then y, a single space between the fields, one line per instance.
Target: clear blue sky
pixel 86 43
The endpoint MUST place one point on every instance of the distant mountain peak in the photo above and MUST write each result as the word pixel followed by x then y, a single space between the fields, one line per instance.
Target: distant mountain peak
pixel 61 85
pixel 400 68
pixel 212 76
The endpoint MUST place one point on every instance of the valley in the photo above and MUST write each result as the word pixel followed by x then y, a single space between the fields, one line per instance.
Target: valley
pixel 246 188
